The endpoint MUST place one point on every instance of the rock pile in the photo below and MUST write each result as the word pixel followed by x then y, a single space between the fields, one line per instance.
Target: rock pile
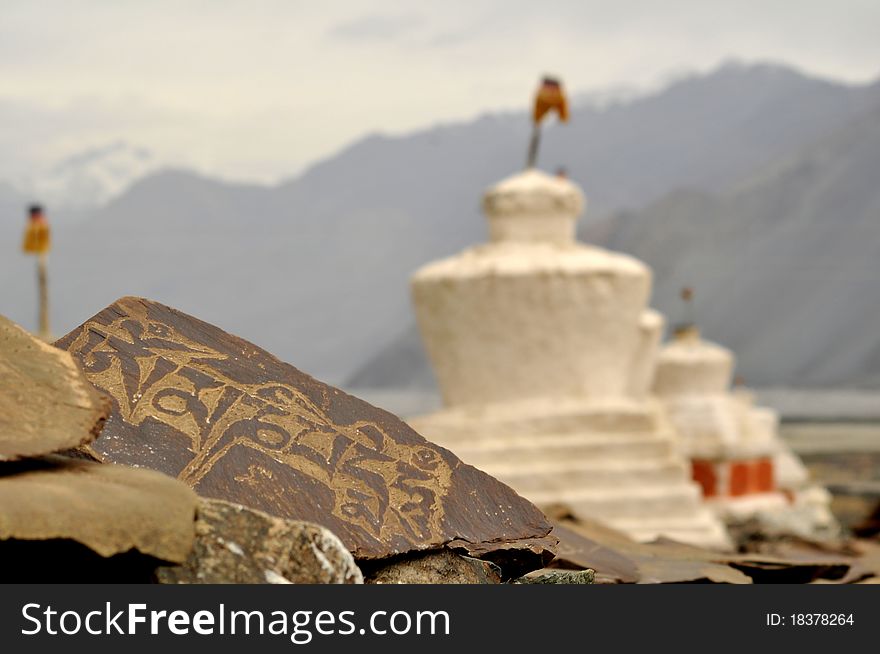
pixel 614 557
pixel 234 544
pixel 407 508
pixel 299 482
pixel 62 518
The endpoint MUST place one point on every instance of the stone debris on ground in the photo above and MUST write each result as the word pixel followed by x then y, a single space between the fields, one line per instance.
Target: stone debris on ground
pixel 577 551
pixel 234 544
pixel 870 525
pixel 438 567
pixel 616 558
pixel 567 577
pixel 648 563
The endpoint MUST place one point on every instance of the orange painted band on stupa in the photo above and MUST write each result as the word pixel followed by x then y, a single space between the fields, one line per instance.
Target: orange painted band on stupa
pixel 743 478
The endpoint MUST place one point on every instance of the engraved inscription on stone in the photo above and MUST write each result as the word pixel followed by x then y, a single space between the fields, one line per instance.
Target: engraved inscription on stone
pixel 235 423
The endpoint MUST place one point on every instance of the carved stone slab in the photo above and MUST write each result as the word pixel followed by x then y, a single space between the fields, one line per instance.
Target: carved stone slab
pixel 237 424
pixel 46 403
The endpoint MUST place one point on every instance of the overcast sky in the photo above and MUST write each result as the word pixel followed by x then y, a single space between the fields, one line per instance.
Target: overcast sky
pixel 255 89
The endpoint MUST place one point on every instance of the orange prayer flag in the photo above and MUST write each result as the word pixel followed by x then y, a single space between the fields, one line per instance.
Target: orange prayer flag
pixel 36 235
pixel 550 97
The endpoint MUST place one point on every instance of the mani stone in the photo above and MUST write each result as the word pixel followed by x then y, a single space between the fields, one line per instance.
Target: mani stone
pixel 109 509
pixel 544 349
pixel 46 403
pixel 235 423
pixel 237 545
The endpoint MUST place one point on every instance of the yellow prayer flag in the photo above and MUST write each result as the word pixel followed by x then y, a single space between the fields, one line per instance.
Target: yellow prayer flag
pixel 550 97
pixel 36 235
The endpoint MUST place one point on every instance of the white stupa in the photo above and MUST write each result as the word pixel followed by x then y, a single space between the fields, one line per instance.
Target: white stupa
pixel 544 351
pixel 744 468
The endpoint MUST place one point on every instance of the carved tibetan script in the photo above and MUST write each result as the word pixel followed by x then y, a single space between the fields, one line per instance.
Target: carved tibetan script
pixel 235 423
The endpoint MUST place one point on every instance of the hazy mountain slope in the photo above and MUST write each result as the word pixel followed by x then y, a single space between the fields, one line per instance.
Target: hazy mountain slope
pixel 88 179
pixel 785 266
pixel 400 364
pixel 701 132
pixel 233 255
pixel 12 216
pixel 316 270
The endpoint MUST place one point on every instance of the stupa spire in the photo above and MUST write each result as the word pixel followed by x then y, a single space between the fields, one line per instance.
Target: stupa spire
pixel 686 328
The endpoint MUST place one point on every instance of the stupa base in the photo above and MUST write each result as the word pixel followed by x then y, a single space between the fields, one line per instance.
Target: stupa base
pixel 732 509
pixel 617 461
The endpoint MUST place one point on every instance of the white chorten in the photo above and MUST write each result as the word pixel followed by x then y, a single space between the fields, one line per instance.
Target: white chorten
pixel 738 458
pixel 544 351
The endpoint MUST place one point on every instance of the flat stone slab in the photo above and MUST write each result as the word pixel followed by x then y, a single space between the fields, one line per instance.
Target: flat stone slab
pixel 577 551
pixel 109 509
pixel 238 545
pixel 46 403
pixel 439 567
pixel 235 423
pixel 615 555
pixel 790 560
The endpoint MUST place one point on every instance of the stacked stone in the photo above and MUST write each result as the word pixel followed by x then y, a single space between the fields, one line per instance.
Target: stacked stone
pixel 63 518
pixel 544 351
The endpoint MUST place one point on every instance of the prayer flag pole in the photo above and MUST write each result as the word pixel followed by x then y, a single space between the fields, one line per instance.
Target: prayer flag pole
pixel 549 98
pixel 37 242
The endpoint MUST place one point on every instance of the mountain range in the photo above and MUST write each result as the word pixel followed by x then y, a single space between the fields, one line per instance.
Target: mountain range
pixel 84 181
pixel 316 268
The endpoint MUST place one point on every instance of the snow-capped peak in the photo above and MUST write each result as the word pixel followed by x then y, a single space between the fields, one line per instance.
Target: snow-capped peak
pixel 90 178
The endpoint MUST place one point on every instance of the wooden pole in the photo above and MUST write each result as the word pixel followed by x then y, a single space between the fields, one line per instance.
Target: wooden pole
pixel 43 282
pixel 533 145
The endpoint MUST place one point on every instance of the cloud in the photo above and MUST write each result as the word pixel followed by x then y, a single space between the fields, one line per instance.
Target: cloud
pixel 260 89
pixel 46 133
pixel 375 27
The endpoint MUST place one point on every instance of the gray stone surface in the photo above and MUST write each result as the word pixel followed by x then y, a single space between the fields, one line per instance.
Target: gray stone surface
pixel 567 577
pixel 235 544
pixel 439 567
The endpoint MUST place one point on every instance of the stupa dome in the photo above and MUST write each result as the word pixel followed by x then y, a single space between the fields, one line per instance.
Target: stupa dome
pixel 533 206
pixel 691 365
